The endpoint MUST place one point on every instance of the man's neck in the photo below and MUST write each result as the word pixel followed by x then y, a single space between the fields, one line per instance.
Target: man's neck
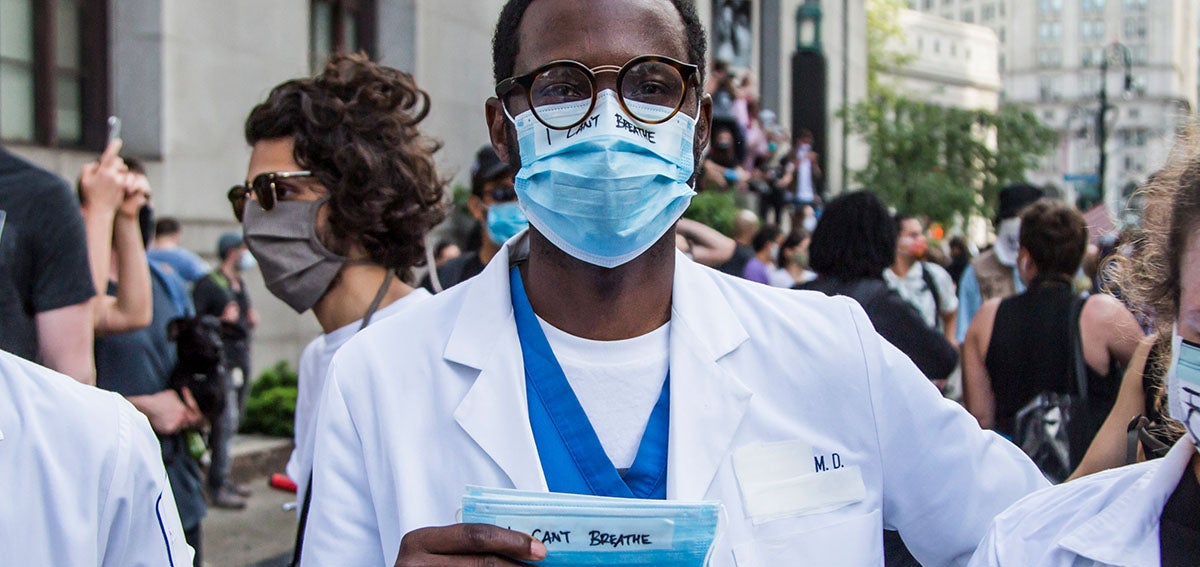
pixel 352 293
pixel 902 265
pixel 598 303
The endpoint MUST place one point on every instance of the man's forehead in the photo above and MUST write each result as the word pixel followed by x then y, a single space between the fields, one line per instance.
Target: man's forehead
pixel 599 32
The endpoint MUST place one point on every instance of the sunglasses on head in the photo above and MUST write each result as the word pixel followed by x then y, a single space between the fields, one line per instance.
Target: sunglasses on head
pixel 266 190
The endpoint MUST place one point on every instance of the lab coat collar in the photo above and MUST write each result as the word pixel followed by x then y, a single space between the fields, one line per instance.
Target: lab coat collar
pixel 707 402
pixel 1126 531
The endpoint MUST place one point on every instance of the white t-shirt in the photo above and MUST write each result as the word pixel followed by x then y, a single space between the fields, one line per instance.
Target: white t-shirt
pixel 805 190
pixel 616 382
pixel 913 289
pixel 313 364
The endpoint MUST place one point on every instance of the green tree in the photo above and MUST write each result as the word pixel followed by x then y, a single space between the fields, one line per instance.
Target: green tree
pixel 933 160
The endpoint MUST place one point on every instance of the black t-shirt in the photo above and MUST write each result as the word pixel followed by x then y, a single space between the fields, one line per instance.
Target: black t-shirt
pixel 455 271
pixel 211 294
pixel 736 264
pixel 139 363
pixel 1179 527
pixel 43 252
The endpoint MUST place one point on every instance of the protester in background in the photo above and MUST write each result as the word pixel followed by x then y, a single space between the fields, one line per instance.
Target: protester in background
pixel 994 273
pixel 1143 514
pixel 444 252
pixel 168 234
pixel 493 205
pixel 745 225
pixel 336 209
pixel 924 285
pixel 1021 346
pixel 222 294
pixel 83 478
pixel 723 169
pixel 117 249
pixel 704 244
pixel 792 261
pixel 138 365
pixel 960 258
pixel 853 244
pixel 808 175
pixel 46 286
pixel 766 248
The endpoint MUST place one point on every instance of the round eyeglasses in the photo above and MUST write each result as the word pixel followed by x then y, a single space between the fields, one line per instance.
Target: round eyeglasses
pixel 562 94
pixel 265 189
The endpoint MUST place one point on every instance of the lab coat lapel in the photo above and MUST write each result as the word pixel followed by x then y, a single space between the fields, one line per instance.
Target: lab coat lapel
pixel 1121 533
pixel 494 412
pixel 707 402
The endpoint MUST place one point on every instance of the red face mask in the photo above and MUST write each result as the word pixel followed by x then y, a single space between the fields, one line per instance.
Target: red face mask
pixel 918 248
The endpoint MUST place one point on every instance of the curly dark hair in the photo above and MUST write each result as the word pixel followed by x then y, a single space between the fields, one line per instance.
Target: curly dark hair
pixel 855 239
pixel 355 127
pixel 505 45
pixel 1055 235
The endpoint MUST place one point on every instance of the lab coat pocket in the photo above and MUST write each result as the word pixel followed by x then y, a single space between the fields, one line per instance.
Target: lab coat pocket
pixel 847 542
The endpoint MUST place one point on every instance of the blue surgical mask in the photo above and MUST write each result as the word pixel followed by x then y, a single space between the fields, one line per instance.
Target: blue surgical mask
pixel 247 261
pixel 606 190
pixel 594 530
pixel 504 221
pixel 1183 385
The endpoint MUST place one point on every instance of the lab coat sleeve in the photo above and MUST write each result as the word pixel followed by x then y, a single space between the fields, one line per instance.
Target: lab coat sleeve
pixel 987 555
pixel 342 527
pixel 969 300
pixel 944 479
pixel 140 524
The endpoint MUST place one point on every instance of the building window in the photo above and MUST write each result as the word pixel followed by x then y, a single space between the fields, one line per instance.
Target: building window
pixel 928 4
pixel 1135 29
pixel 1045 89
pixel 1091 30
pixel 1049 58
pixel 340 26
pixel 1092 5
pixel 1050 6
pixel 53 71
pixel 1050 32
pixel 968 16
pixel 987 13
pixel 1135 4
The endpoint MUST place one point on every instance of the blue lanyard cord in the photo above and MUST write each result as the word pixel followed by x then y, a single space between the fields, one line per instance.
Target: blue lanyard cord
pixel 572 457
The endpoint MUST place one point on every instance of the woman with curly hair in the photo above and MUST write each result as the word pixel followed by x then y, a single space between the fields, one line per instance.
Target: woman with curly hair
pixel 1145 513
pixel 340 192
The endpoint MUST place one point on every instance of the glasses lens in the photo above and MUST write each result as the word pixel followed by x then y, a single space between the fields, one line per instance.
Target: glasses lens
pixel 264 190
pixel 652 90
pixel 561 95
pixel 237 200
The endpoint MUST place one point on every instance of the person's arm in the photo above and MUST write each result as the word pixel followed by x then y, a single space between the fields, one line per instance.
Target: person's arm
pixel 950 325
pixel 709 246
pixel 948 296
pixel 102 186
pixel 1107 450
pixel 1124 333
pixel 899 323
pixel 978 397
pixel 65 338
pixel 943 478
pixel 816 166
pixel 969 300
pixel 141 524
pixel 132 308
pixel 169 412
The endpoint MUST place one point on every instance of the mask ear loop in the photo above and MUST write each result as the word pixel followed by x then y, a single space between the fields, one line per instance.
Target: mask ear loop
pixel 722 525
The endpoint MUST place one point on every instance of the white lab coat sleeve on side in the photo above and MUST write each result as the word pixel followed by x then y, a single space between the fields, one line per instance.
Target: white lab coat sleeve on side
pixel 944 479
pixel 342 527
pixel 988 554
pixel 140 524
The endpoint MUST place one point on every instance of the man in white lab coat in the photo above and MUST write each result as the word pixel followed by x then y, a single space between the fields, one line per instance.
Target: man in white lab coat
pixel 590 357
pixel 82 476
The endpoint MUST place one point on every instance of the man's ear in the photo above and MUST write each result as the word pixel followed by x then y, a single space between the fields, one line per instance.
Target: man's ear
pixel 475 206
pixel 497 126
pixel 704 122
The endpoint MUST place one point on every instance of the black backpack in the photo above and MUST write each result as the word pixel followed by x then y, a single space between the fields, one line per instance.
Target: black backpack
pixel 1047 428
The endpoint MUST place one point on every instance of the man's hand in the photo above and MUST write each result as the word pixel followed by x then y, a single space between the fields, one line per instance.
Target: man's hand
pixel 467 545
pixel 231 313
pixel 104 183
pixel 137 194
pixel 168 412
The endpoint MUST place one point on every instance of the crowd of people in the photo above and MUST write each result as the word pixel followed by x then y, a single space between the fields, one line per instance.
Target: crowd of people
pixel 848 388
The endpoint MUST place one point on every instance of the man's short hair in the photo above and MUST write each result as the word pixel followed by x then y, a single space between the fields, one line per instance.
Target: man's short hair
pixel 855 238
pixel 505 42
pixel 166 226
pixel 1055 235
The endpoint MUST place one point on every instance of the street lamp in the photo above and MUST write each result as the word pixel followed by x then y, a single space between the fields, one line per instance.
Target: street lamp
pixel 1118 49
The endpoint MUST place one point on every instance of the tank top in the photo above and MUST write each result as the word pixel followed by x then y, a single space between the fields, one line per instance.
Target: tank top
pixel 1031 352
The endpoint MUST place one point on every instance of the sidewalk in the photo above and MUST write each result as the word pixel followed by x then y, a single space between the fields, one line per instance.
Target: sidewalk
pixel 262 534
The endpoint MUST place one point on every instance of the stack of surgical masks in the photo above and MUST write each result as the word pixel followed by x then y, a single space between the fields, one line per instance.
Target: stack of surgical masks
pixel 595 530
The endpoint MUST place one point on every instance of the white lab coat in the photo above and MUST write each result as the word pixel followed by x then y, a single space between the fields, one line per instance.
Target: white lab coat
pixel 81 476
pixel 1108 518
pixel 422 404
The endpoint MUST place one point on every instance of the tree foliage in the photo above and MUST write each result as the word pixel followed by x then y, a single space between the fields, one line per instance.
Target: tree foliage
pixel 937 161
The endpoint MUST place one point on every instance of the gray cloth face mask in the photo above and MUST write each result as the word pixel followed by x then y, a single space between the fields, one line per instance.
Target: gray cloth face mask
pixel 295 265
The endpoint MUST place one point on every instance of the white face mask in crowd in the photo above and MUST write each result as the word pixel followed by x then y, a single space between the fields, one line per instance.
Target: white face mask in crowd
pixel 1183 385
pixel 1008 241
